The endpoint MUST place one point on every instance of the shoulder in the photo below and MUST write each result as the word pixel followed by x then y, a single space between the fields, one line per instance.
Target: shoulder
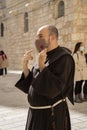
pixel 68 58
pixel 63 51
pixel 66 53
pixel 66 50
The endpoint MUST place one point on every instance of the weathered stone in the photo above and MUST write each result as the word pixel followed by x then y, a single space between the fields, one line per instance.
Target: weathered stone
pixel 72 26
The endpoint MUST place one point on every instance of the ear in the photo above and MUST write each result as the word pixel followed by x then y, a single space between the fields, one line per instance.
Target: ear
pixel 52 37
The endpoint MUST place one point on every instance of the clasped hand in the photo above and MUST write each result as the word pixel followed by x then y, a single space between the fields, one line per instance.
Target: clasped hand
pixel 41 60
pixel 28 56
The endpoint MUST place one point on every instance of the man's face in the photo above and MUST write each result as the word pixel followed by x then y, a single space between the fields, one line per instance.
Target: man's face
pixel 42 39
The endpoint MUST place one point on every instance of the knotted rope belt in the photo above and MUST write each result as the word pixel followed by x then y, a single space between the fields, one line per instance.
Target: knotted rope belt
pixel 52 110
pixel 46 107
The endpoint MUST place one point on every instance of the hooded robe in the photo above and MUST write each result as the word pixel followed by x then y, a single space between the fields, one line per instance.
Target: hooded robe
pixel 54 83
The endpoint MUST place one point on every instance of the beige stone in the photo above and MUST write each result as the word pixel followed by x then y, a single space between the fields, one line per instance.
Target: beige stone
pixel 78 36
pixel 72 26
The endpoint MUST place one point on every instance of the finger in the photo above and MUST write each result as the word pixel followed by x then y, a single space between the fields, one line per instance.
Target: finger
pixel 28 56
pixel 45 50
pixel 28 51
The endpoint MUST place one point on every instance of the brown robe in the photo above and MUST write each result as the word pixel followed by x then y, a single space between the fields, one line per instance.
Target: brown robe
pixel 55 82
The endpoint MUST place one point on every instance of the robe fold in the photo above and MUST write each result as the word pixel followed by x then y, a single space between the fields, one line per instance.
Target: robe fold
pixel 55 82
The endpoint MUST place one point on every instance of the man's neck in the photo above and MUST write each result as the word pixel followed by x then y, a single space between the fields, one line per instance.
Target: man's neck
pixel 52 46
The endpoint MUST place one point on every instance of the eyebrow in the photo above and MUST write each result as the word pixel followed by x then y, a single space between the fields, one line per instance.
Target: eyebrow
pixel 40 34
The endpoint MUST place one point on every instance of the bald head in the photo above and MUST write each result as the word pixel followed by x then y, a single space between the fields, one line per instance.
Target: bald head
pixel 42 28
pixel 52 30
pixel 46 37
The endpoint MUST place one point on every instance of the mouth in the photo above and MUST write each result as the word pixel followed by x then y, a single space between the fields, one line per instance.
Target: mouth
pixel 42 47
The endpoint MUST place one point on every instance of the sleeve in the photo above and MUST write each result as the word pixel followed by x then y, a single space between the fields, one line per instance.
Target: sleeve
pixel 86 58
pixel 51 83
pixel 24 83
pixel 76 62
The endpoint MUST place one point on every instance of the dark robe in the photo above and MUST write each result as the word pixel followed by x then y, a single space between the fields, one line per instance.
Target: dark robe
pixel 55 82
pixel 86 57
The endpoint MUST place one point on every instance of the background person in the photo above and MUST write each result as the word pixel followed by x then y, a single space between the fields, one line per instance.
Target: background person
pixel 80 71
pixel 1 69
pixel 3 63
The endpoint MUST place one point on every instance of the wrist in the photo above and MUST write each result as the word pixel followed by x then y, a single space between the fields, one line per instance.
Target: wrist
pixel 41 67
pixel 26 73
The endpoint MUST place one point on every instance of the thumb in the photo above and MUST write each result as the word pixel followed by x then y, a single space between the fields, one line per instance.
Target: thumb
pixel 45 50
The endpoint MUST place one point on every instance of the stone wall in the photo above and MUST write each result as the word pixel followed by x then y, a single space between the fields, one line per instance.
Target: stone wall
pixel 80 23
pixel 72 26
